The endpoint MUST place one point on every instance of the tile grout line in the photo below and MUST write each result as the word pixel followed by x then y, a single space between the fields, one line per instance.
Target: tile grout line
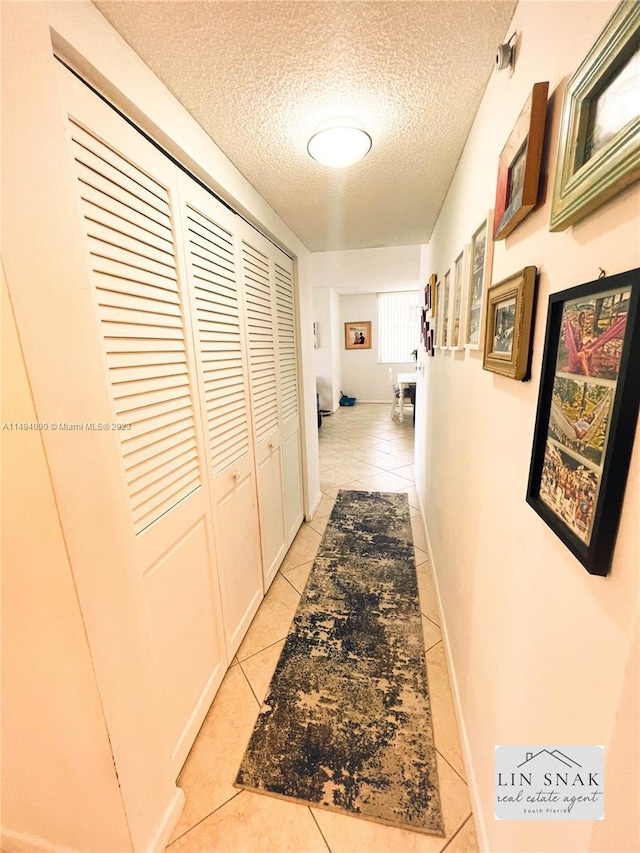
pixel 458 831
pixel 259 652
pixel 249 683
pixel 284 577
pixel 187 831
pixel 444 758
pixel 315 820
pixel 432 622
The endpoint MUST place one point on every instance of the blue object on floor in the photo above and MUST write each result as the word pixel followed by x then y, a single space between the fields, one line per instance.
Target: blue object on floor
pixel 347 401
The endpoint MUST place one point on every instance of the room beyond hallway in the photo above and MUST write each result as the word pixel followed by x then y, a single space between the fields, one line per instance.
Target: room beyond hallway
pixel 360 448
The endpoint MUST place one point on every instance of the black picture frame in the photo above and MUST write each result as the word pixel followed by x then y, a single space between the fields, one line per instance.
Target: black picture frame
pixel 587 415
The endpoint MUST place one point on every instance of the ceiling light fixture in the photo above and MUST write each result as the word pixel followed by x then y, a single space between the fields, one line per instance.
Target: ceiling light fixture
pixel 339 142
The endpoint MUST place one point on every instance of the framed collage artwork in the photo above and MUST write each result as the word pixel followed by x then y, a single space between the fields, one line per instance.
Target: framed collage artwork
pixel 587 415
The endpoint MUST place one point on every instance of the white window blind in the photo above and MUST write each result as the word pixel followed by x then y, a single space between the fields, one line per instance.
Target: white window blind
pixel 398 326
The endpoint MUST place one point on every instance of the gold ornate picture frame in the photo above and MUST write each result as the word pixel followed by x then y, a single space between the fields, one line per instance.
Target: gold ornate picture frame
pixel 596 161
pixel 508 322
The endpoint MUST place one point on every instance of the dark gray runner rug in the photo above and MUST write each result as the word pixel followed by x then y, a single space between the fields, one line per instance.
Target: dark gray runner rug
pixel 346 724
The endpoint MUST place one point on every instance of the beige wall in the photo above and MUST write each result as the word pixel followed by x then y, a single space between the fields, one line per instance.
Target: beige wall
pixel 541 652
pixel 54 737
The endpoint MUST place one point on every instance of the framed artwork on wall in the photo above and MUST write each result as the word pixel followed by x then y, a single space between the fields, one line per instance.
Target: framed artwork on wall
pixel 508 320
pixel 430 296
pixel 519 165
pixel 429 342
pixel 444 311
pixel 357 335
pixel 438 317
pixel 599 145
pixel 457 300
pixel 587 414
pixel 480 265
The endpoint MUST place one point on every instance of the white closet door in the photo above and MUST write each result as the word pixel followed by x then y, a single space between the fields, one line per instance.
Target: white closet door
pixel 288 381
pixel 127 197
pixel 260 319
pixel 214 273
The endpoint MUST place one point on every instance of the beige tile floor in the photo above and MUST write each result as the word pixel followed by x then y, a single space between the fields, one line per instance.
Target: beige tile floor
pixel 360 447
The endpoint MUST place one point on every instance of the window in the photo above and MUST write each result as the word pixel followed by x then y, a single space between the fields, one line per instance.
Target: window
pixel 398 326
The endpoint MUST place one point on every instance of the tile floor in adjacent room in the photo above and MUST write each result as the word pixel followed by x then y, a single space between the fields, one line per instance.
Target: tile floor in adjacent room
pixel 360 448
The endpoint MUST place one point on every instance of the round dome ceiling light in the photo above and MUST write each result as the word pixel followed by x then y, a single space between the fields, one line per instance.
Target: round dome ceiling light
pixel 339 142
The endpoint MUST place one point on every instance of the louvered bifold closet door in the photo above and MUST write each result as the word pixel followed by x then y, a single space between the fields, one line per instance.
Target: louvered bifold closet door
pixel 288 392
pixel 214 285
pixel 261 327
pixel 127 193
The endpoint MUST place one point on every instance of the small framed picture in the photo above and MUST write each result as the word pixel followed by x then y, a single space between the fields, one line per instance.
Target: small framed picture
pixel 508 318
pixel 458 294
pixel 430 299
pixel 357 335
pixel 587 415
pixel 480 264
pixel 438 317
pixel 444 325
pixel 519 165
pixel 599 143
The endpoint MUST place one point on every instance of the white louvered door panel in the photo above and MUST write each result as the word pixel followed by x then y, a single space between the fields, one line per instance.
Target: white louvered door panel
pixel 127 194
pixel 288 393
pixel 260 323
pixel 215 293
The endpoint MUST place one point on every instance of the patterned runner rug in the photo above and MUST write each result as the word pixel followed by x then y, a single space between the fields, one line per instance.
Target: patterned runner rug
pixel 346 724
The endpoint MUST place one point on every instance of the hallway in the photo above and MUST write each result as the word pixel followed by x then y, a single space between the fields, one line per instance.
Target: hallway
pixel 360 448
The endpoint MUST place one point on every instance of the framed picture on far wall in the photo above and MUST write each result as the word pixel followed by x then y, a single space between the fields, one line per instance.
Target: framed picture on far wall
pixel 508 318
pixel 587 415
pixel 480 265
pixel 357 335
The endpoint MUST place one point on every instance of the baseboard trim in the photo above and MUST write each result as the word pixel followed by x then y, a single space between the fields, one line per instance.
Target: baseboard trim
pixel 312 510
pixel 471 776
pixel 20 842
pixel 168 823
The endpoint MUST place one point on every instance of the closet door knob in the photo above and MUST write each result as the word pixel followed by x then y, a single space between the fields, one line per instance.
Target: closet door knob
pixel 272 444
pixel 236 475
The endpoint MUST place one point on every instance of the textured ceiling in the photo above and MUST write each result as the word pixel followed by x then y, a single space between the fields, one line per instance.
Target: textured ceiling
pixel 259 77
